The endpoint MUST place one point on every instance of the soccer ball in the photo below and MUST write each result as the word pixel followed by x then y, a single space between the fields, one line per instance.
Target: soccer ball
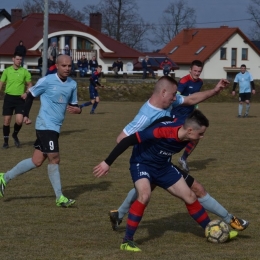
pixel 217 231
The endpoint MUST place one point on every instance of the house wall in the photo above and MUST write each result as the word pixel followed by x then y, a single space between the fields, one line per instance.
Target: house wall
pixel 214 67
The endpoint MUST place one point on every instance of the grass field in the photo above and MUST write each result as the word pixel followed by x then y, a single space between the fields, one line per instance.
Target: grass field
pixel 226 161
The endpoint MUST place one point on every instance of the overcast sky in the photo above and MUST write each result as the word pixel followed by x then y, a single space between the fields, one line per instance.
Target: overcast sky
pixel 210 13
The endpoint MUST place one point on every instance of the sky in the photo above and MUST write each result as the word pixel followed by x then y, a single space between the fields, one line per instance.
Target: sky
pixel 209 13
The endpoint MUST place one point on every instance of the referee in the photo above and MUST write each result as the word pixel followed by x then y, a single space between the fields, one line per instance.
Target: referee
pixel 16 78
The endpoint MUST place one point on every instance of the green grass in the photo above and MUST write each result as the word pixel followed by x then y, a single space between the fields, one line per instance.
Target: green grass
pixel 225 162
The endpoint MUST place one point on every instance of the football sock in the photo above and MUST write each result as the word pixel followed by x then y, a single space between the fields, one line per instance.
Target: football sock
pixel 125 206
pixel 198 213
pixel 214 207
pixel 134 217
pixel 247 108
pixel 94 106
pixel 240 108
pixel 54 176
pixel 188 150
pixel 6 132
pixel 17 128
pixel 86 104
pixel 22 167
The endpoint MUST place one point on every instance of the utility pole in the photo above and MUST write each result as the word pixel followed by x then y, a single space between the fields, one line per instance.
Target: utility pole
pixel 45 37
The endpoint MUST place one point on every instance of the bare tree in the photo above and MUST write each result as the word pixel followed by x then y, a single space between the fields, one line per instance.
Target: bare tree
pixel 254 12
pixel 55 6
pixel 121 21
pixel 177 16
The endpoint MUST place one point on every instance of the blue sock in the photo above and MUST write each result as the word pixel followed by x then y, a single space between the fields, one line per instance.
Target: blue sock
pixel 94 106
pixel 125 206
pixel 86 104
pixel 54 176
pixel 214 207
pixel 22 167
pixel 240 108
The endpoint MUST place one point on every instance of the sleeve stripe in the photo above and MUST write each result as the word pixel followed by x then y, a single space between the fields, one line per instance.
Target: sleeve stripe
pixel 138 126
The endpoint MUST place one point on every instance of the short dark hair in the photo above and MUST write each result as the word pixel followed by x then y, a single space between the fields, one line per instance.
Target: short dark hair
pixel 243 65
pixel 100 66
pixel 17 54
pixel 197 117
pixel 197 63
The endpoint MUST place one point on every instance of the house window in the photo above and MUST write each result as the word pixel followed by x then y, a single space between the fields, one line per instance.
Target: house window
pixel 200 50
pixel 234 57
pixel 83 44
pixel 244 54
pixel 174 49
pixel 223 53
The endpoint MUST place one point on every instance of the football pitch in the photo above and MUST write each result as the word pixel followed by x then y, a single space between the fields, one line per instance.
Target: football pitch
pixel 226 162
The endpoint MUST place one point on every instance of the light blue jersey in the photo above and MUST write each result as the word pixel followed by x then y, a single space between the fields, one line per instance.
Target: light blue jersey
pixel 148 114
pixel 244 79
pixel 55 95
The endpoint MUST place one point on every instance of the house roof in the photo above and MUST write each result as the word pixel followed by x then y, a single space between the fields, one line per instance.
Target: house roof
pixel 11 34
pixel 5 14
pixel 201 43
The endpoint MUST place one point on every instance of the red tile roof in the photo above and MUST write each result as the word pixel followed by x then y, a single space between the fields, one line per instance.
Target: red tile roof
pixel 30 31
pixel 189 41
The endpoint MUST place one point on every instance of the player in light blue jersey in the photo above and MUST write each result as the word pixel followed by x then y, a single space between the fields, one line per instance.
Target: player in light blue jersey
pixel 58 94
pixel 246 87
pixel 163 99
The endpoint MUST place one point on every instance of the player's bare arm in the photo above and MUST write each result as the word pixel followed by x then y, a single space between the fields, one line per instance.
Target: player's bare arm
pixel 203 95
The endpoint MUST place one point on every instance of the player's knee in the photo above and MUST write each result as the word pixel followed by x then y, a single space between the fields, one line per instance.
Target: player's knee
pixel 144 198
pixel 198 189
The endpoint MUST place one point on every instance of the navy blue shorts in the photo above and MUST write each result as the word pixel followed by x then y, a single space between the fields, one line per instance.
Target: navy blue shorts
pixel 163 177
pixel 92 92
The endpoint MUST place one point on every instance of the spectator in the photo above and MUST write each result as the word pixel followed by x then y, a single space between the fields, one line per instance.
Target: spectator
pixel 67 51
pixel 22 50
pixel 147 66
pixel 117 66
pixel 93 64
pixel 53 51
pixel 166 66
pixel 83 66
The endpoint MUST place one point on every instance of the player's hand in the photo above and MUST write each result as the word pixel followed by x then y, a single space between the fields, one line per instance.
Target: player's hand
pixel 223 83
pixel 233 93
pixel 253 91
pixel 73 110
pixel 27 120
pixel 101 169
pixel 24 96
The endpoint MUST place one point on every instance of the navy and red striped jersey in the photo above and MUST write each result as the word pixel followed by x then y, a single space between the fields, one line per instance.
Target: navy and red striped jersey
pixel 157 144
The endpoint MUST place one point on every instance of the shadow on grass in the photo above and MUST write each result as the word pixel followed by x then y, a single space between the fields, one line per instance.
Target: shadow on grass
pixel 200 165
pixel 77 190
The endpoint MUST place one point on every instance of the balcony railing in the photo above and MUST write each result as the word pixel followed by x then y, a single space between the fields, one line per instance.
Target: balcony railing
pixel 77 54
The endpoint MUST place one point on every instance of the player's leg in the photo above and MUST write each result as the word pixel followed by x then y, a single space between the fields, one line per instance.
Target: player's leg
pixel 95 103
pixel 187 152
pixel 240 105
pixel 17 127
pixel 136 212
pixel 213 206
pixel 22 167
pixel 247 101
pixel 50 146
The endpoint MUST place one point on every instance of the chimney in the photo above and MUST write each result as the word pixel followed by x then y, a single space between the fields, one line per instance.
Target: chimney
pixel 16 15
pixel 187 36
pixel 95 21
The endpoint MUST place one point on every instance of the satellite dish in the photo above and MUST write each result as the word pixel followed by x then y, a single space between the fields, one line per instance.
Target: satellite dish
pixel 129 66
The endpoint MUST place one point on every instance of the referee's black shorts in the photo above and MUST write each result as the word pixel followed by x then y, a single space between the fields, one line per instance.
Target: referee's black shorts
pixel 13 104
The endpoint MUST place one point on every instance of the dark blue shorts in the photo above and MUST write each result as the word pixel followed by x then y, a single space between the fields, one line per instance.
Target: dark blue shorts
pixel 92 92
pixel 244 96
pixel 163 177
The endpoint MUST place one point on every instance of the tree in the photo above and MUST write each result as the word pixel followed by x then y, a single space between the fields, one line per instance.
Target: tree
pixel 55 6
pixel 121 21
pixel 254 12
pixel 175 18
